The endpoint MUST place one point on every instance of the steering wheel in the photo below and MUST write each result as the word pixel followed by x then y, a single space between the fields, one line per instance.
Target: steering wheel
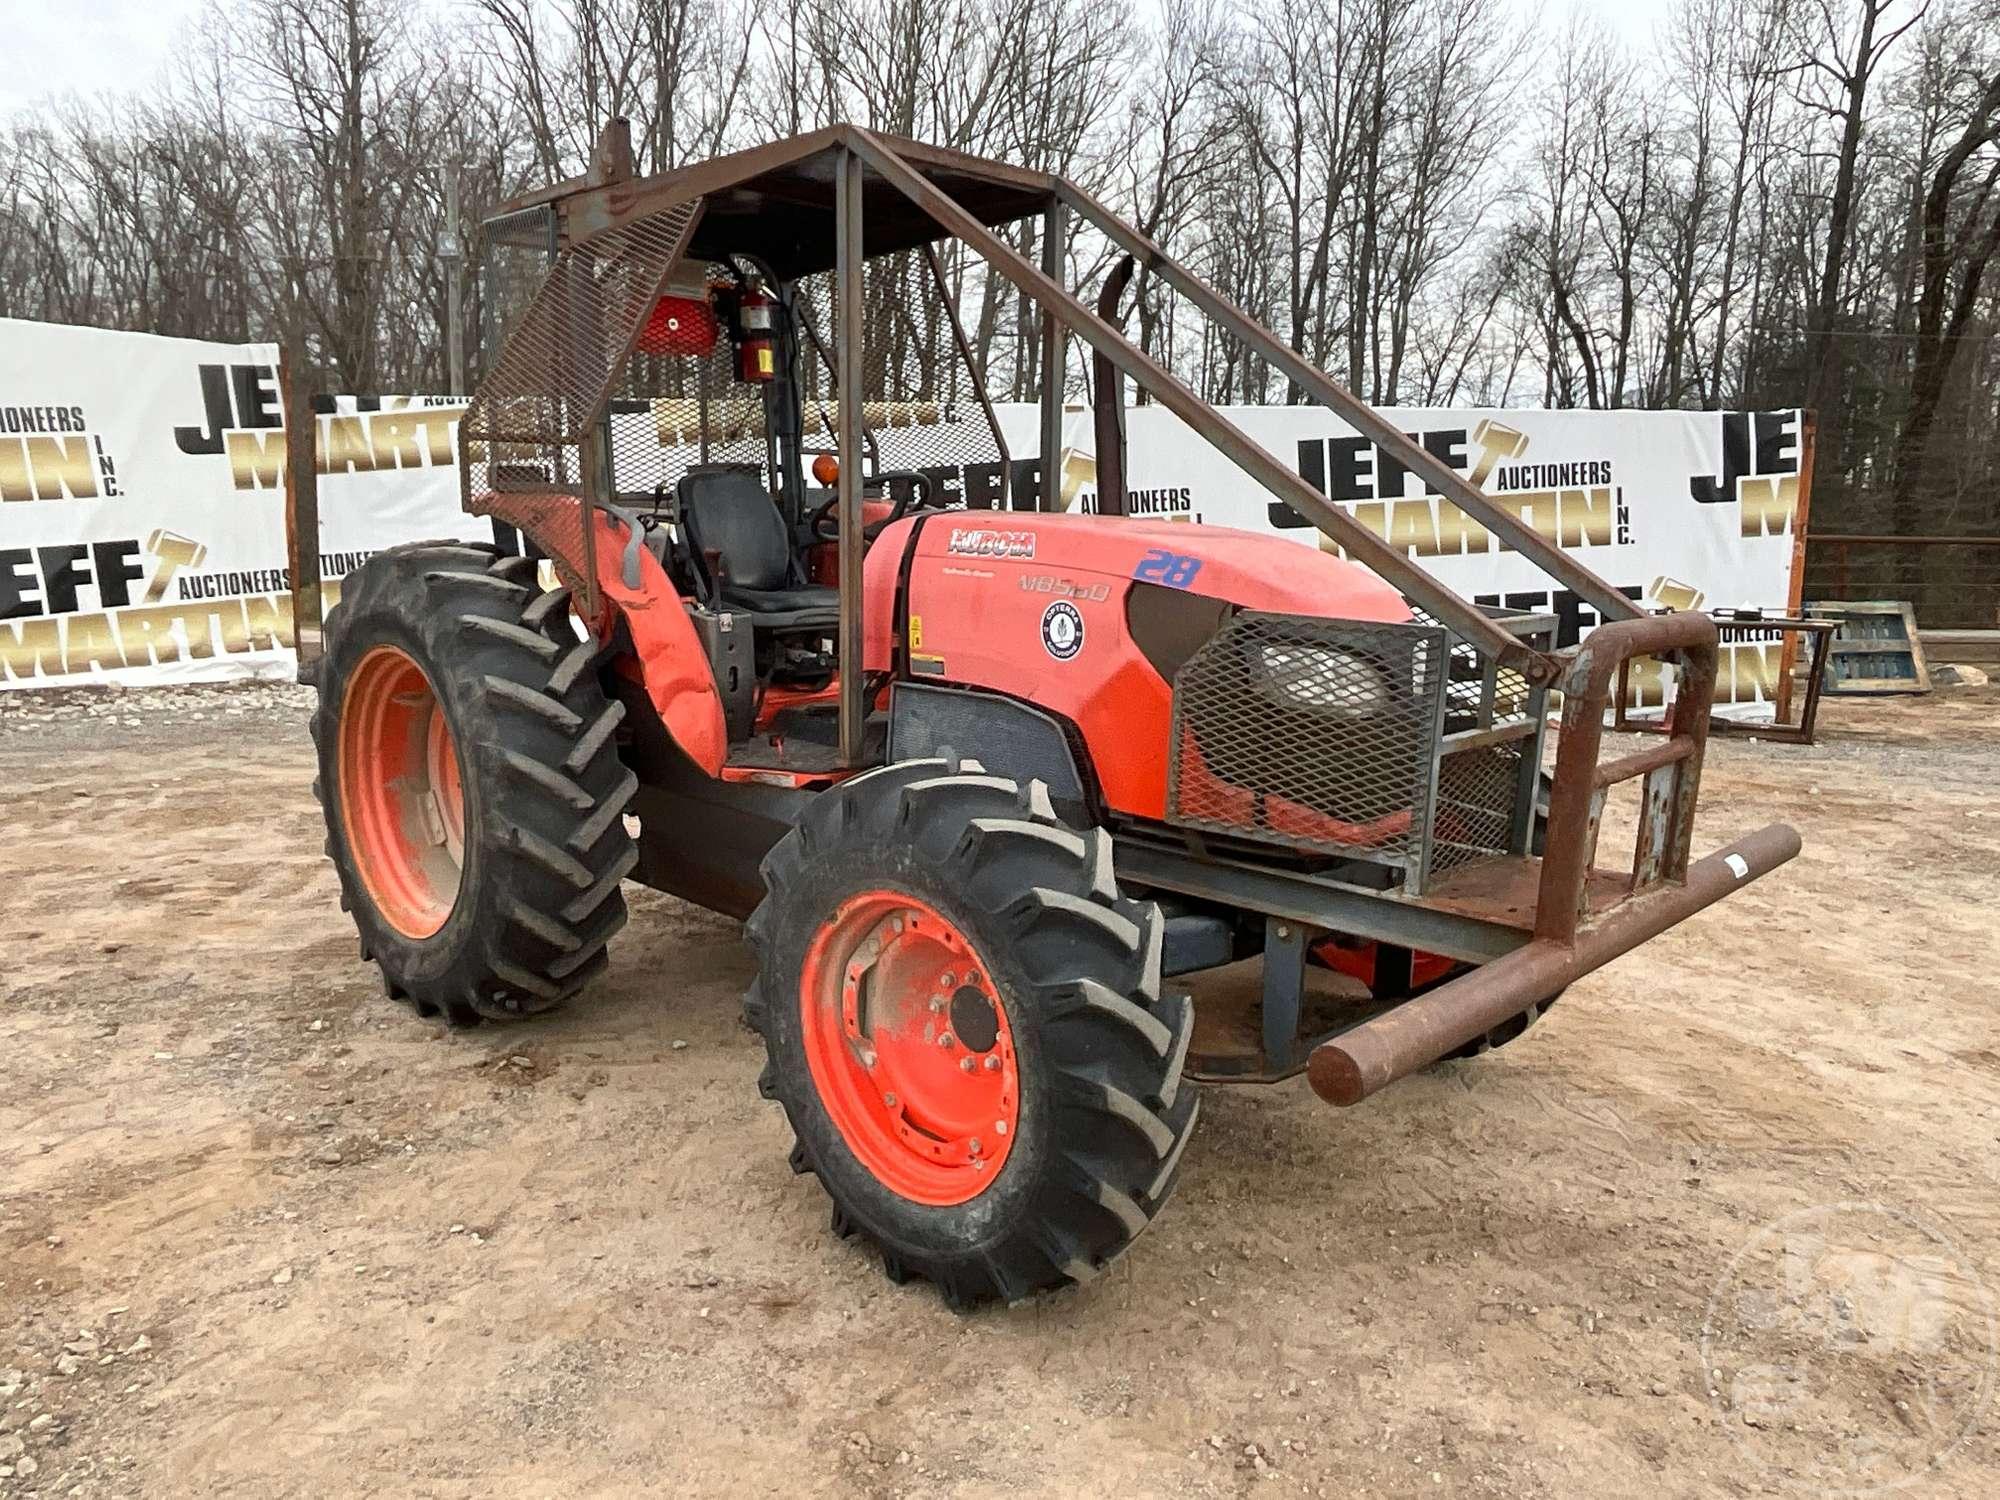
pixel 916 495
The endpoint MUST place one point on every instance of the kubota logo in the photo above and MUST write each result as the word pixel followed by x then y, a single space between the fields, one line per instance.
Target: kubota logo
pixel 982 542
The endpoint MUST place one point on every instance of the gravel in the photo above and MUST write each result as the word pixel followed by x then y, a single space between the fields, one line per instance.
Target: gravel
pixel 77 717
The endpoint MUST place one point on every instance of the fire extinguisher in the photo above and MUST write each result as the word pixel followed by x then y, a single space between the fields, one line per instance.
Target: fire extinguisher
pixel 756 333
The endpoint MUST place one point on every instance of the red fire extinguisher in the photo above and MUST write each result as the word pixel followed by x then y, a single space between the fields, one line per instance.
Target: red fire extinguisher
pixel 756 330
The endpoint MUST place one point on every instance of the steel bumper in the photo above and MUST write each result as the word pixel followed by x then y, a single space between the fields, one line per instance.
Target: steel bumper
pixel 1349 1067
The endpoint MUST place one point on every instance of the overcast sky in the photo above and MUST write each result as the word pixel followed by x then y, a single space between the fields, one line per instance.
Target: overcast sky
pixel 91 47
pixel 88 47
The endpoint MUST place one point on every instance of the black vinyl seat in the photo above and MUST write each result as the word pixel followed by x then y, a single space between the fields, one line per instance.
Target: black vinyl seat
pixel 727 512
pixel 808 597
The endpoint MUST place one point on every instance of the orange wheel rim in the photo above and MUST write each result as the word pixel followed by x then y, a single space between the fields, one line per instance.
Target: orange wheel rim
pixel 908 1042
pixel 402 795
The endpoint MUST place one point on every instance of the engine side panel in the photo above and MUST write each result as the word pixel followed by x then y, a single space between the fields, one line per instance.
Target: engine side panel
pixel 1034 606
pixel 1008 737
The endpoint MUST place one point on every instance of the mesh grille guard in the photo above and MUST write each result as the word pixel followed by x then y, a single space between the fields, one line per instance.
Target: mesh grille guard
pixel 1395 744
pixel 1316 734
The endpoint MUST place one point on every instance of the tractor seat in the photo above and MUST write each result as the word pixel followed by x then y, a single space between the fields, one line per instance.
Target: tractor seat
pixel 726 511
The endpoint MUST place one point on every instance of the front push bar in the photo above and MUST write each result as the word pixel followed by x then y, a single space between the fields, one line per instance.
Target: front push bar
pixel 1349 1067
pixel 1571 938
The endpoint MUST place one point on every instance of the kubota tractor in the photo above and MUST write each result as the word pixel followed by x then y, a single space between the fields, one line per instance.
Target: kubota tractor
pixel 1013 799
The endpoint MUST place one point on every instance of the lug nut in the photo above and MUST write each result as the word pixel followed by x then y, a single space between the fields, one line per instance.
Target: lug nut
pixel 965 1065
pixel 999 1127
pixel 867 1057
pixel 890 1100
pixel 992 1062
pixel 973 1146
pixel 946 980
pixel 944 1039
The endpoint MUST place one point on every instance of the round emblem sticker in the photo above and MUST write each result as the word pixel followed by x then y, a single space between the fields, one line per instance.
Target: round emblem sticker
pixel 1062 630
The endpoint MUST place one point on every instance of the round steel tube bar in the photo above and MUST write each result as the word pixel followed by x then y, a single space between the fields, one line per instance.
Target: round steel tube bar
pixel 1355 1064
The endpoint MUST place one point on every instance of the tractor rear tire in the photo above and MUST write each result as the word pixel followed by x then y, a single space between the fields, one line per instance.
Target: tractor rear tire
pixel 940 960
pixel 472 791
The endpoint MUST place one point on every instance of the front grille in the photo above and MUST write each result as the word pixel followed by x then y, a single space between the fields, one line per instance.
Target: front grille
pixel 1315 734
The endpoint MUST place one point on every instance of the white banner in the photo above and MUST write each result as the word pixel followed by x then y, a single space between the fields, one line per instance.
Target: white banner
pixel 1680 510
pixel 1684 509
pixel 142 504
pixel 142 512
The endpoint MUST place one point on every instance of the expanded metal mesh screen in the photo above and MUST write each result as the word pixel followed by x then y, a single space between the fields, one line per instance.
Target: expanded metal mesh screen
pixel 1317 734
pixel 531 430
pixel 561 360
pixel 679 404
pixel 922 408
pixel 1480 790
pixel 515 253
pixel 1476 798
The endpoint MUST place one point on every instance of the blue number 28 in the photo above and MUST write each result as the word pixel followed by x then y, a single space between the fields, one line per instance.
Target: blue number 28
pixel 1170 568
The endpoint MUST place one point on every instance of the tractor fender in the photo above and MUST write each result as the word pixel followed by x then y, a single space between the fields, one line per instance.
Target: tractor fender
pixel 667 656
pixel 671 662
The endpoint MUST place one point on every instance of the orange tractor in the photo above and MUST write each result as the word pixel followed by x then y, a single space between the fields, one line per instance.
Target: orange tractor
pixel 996 786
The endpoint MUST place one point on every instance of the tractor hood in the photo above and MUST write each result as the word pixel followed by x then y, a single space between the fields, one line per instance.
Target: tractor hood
pixel 1249 569
pixel 1087 617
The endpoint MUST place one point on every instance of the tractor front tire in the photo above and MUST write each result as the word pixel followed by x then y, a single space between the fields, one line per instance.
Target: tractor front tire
pixel 473 795
pixel 1509 1030
pixel 966 1029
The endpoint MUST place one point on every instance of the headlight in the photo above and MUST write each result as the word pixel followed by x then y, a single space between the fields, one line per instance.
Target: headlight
pixel 1323 679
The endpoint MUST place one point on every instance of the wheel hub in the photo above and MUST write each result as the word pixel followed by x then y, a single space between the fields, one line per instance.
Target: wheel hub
pixel 909 1046
pixel 401 792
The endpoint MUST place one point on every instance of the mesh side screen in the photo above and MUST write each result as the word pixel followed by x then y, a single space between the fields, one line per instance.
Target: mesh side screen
pixel 1313 733
pixel 559 363
pixel 529 433
pixel 1477 789
pixel 921 409
pixel 515 252
pixel 674 410
pixel 1475 805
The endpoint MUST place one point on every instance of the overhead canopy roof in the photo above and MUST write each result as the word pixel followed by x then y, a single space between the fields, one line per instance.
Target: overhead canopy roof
pixel 776 201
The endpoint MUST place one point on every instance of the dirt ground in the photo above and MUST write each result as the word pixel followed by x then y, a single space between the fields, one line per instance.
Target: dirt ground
pixel 263 1233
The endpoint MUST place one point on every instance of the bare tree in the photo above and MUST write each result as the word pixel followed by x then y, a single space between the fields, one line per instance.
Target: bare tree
pixel 1809 212
pixel 1839 63
pixel 1959 237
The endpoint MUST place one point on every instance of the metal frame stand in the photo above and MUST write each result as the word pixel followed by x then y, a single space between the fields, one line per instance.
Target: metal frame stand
pixel 302 514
